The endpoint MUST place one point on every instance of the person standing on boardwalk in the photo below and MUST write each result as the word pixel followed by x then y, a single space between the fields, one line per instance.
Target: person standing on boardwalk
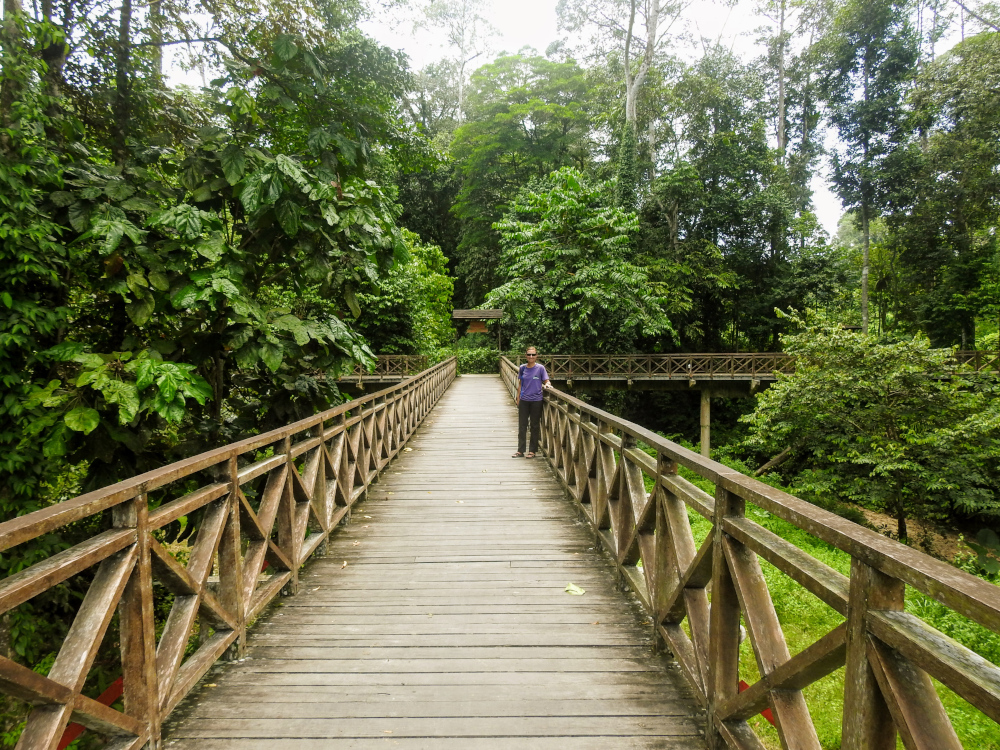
pixel 532 378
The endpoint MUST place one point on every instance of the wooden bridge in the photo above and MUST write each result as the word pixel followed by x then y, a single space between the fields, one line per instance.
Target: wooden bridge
pixel 724 372
pixel 448 613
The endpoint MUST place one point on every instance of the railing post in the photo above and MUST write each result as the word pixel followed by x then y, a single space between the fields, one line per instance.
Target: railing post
pixel 706 423
pixel 867 723
pixel 230 589
pixel 137 626
pixel 286 520
pixel 724 627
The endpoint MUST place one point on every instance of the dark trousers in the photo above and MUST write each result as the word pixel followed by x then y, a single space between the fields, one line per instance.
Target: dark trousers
pixel 526 410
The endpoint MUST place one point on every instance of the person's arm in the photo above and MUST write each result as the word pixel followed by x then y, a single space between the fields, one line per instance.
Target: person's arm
pixel 517 394
pixel 546 383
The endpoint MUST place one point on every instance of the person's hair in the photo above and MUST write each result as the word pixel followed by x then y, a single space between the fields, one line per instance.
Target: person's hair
pixel 531 347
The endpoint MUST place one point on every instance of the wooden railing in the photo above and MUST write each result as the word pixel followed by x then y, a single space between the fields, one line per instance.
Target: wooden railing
pixel 889 654
pixel 760 366
pixel 391 365
pixel 261 507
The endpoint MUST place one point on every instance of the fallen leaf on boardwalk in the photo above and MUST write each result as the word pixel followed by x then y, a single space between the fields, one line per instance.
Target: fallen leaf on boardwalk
pixel 366 516
pixel 386 731
pixel 572 588
pixel 460 502
pixel 598 622
pixel 356 542
pixel 407 449
pixel 211 684
pixel 365 526
pixel 390 493
pixel 344 565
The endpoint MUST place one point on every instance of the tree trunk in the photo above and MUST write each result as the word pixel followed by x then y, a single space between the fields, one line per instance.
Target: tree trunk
pixel 781 83
pixel 901 534
pixel 123 82
pixel 865 253
pixel 156 21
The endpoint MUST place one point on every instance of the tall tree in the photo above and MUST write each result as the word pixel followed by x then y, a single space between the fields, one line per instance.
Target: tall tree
pixel 635 31
pixel 527 117
pixel 468 32
pixel 870 61
pixel 946 199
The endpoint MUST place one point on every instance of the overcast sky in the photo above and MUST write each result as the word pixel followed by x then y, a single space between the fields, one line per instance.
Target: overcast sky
pixel 532 23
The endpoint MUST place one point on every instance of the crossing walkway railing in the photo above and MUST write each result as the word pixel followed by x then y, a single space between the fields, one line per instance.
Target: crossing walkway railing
pixel 720 366
pixel 391 366
pixel 259 507
pixel 697 595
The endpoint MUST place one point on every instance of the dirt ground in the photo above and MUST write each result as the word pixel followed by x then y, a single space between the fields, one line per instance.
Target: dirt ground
pixel 943 543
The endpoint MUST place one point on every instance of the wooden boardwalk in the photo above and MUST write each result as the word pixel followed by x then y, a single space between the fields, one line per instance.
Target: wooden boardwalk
pixel 449 627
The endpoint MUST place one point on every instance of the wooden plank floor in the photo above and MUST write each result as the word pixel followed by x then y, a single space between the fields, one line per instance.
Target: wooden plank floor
pixel 449 627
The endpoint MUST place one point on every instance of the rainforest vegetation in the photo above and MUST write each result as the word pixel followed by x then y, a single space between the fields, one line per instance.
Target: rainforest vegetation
pixel 185 264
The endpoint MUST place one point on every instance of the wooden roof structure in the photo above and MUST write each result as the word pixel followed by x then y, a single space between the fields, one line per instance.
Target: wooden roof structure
pixel 476 314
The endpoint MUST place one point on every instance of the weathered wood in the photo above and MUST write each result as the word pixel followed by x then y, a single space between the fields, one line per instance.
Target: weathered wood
pixel 916 709
pixel 138 627
pixel 871 600
pixel 155 679
pixel 867 722
pixel 462 564
pixel 724 658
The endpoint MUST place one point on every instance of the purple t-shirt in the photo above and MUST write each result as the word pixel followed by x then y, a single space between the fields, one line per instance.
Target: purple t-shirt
pixel 531 382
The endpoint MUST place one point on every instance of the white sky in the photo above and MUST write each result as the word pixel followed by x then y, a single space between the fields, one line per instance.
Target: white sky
pixel 533 23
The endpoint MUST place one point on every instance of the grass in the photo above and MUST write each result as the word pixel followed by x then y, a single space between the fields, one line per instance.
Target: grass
pixel 805 619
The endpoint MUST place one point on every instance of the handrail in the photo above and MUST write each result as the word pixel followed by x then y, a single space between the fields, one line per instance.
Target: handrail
pixel 391 365
pixel 713 366
pixel 262 506
pixel 890 655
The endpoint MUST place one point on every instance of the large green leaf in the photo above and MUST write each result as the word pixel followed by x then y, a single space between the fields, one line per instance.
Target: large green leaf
pixel 285 47
pixel 82 419
pixel 294 326
pixel 234 163
pixel 352 301
pixel 140 310
pixel 271 355
pixel 126 396
pixel 288 217
pixel 62 198
pixel 118 190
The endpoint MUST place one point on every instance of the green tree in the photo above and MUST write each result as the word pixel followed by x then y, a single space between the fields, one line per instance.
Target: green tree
pixel 569 283
pixel 946 197
pixel 408 310
pixel 896 427
pixel 526 117
pixel 870 56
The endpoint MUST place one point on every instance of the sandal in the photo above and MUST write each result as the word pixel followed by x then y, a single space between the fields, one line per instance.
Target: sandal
pixel 517 455
pixel 529 455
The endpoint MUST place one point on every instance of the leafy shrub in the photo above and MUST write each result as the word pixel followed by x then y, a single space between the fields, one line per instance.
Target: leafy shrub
pixel 478 361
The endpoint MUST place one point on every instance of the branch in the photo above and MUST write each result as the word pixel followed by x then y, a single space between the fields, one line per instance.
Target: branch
pixel 975 15
pixel 180 41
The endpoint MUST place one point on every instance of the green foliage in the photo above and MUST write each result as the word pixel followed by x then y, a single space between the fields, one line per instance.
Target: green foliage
pixel 179 270
pixel 408 310
pixel 569 284
pixel 941 242
pixel 627 182
pixel 482 361
pixel 526 116
pixel 895 427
